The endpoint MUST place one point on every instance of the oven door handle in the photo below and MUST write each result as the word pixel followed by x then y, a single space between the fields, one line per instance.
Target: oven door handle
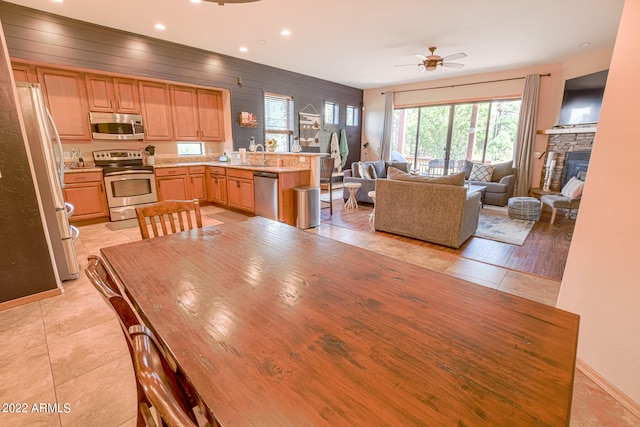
pixel 129 172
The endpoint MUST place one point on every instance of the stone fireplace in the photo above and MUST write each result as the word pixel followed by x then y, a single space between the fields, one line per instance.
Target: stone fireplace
pixel 562 144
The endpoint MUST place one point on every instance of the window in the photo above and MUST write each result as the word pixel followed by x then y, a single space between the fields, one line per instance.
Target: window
pixel 352 115
pixel 438 139
pixel 190 149
pixel 330 113
pixel 278 120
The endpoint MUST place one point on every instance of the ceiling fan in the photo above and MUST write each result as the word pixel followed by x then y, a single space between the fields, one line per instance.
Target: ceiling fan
pixel 431 62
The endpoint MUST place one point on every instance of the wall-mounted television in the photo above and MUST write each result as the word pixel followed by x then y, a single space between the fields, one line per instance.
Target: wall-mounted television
pixel 582 99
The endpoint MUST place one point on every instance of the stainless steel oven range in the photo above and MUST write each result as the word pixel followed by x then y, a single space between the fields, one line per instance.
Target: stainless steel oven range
pixel 127 181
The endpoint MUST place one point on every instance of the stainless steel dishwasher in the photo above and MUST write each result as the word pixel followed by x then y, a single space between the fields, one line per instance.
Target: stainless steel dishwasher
pixel 266 194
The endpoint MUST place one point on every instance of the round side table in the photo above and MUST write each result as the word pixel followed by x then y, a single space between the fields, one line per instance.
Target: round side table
pixel 353 189
pixel 372 215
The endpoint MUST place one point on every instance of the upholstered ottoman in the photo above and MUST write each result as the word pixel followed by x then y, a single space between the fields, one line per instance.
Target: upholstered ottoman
pixel 527 208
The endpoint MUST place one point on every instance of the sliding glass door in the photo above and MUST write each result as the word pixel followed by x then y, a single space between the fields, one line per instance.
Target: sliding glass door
pixel 437 140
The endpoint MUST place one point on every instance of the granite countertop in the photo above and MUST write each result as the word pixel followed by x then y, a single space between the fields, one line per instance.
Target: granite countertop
pixel 80 170
pixel 270 168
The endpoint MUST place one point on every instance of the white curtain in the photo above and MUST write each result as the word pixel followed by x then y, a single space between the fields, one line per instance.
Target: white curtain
pixel 387 128
pixel 526 138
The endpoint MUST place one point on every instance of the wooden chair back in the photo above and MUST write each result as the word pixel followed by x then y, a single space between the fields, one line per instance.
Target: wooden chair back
pixel 157 379
pixel 327 165
pixel 187 213
pixel 103 279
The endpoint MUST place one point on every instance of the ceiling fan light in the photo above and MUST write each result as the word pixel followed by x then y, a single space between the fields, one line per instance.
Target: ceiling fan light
pixel 430 67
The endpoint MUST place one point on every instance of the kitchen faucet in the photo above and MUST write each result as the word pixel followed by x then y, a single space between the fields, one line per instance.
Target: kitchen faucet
pixel 261 146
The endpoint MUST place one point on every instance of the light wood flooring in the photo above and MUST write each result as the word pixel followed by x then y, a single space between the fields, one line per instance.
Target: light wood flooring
pixel 544 252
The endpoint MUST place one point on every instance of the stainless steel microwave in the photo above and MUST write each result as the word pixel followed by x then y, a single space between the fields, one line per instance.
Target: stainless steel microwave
pixel 122 127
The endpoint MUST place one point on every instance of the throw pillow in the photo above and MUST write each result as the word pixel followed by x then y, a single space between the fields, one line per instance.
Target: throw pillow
pixel 467 168
pixel 355 169
pixel 481 172
pixel 372 172
pixel 403 166
pixel 381 168
pixel 500 170
pixel 454 179
pixel 363 169
pixel 573 188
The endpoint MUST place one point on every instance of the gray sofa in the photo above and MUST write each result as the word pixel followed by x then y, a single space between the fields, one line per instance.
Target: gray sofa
pixel 430 211
pixel 503 181
pixel 368 184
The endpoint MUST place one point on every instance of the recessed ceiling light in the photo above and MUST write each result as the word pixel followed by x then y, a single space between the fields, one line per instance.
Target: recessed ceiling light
pixel 244 49
pixel 159 26
pixel 585 44
pixel 285 33
pixel 196 1
pixel 58 1
pixel 261 41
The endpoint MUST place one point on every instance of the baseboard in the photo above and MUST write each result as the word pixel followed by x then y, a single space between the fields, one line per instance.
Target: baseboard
pixel 629 404
pixel 30 298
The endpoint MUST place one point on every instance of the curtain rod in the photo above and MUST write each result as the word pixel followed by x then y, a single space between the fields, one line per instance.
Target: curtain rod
pixel 464 84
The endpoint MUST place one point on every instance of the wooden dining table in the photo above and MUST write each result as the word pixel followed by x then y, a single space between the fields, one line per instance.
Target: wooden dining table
pixel 276 326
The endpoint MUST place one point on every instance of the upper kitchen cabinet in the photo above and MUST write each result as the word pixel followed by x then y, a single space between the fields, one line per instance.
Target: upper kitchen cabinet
pixel 66 96
pixel 210 115
pixel 24 73
pixel 112 94
pixel 156 111
pixel 197 114
pixel 184 104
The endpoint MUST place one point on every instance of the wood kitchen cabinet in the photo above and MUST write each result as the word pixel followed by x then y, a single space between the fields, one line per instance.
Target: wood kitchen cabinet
pixel 66 96
pixel 85 191
pixel 198 183
pixel 156 111
pixel 197 114
pixel 217 185
pixel 173 183
pixel 112 94
pixel 240 189
pixel 181 183
pixel 24 73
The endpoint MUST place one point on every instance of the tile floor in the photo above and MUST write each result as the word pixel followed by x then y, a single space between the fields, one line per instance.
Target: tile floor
pixel 69 348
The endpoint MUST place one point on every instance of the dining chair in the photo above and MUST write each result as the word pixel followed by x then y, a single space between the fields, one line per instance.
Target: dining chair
pixel 168 210
pixel 327 165
pixel 158 381
pixel 103 279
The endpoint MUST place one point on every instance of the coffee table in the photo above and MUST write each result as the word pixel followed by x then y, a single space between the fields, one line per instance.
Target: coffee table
pixel 481 188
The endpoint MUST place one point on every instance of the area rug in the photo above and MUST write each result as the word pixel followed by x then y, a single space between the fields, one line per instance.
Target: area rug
pixel 495 224
pixel 120 225
pixel 335 194
pixel 228 216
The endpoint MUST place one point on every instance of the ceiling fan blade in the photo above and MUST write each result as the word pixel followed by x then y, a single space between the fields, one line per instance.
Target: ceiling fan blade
pixel 406 65
pixel 455 56
pixel 452 65
pixel 422 68
pixel 420 56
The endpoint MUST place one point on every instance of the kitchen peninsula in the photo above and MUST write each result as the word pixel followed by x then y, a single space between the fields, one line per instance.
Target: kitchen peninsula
pixel 233 185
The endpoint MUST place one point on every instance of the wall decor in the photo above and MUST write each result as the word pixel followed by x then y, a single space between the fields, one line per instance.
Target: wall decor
pixel 248 120
pixel 309 127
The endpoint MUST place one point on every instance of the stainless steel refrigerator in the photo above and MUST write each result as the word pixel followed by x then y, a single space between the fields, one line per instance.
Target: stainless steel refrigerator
pixel 47 162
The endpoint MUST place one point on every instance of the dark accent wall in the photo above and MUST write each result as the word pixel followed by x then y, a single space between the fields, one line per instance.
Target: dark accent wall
pixel 39 36
pixel 25 264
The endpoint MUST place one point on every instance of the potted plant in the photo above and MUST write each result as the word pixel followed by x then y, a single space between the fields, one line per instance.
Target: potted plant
pixel 271 144
pixel 150 150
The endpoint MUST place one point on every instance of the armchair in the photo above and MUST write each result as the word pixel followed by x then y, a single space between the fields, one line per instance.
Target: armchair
pixel 569 198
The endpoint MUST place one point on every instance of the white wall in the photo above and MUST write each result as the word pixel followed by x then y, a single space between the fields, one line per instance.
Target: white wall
pixel 601 281
pixel 551 89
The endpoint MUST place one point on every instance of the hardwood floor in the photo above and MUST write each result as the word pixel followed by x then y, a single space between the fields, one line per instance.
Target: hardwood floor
pixel 544 252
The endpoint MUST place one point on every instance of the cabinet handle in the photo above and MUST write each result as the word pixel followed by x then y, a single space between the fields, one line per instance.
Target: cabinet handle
pixel 118 104
pixel 110 105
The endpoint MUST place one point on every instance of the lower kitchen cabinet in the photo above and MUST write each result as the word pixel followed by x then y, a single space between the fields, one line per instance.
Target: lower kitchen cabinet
pixel 240 189
pixel 198 183
pixel 217 185
pixel 181 183
pixel 85 191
